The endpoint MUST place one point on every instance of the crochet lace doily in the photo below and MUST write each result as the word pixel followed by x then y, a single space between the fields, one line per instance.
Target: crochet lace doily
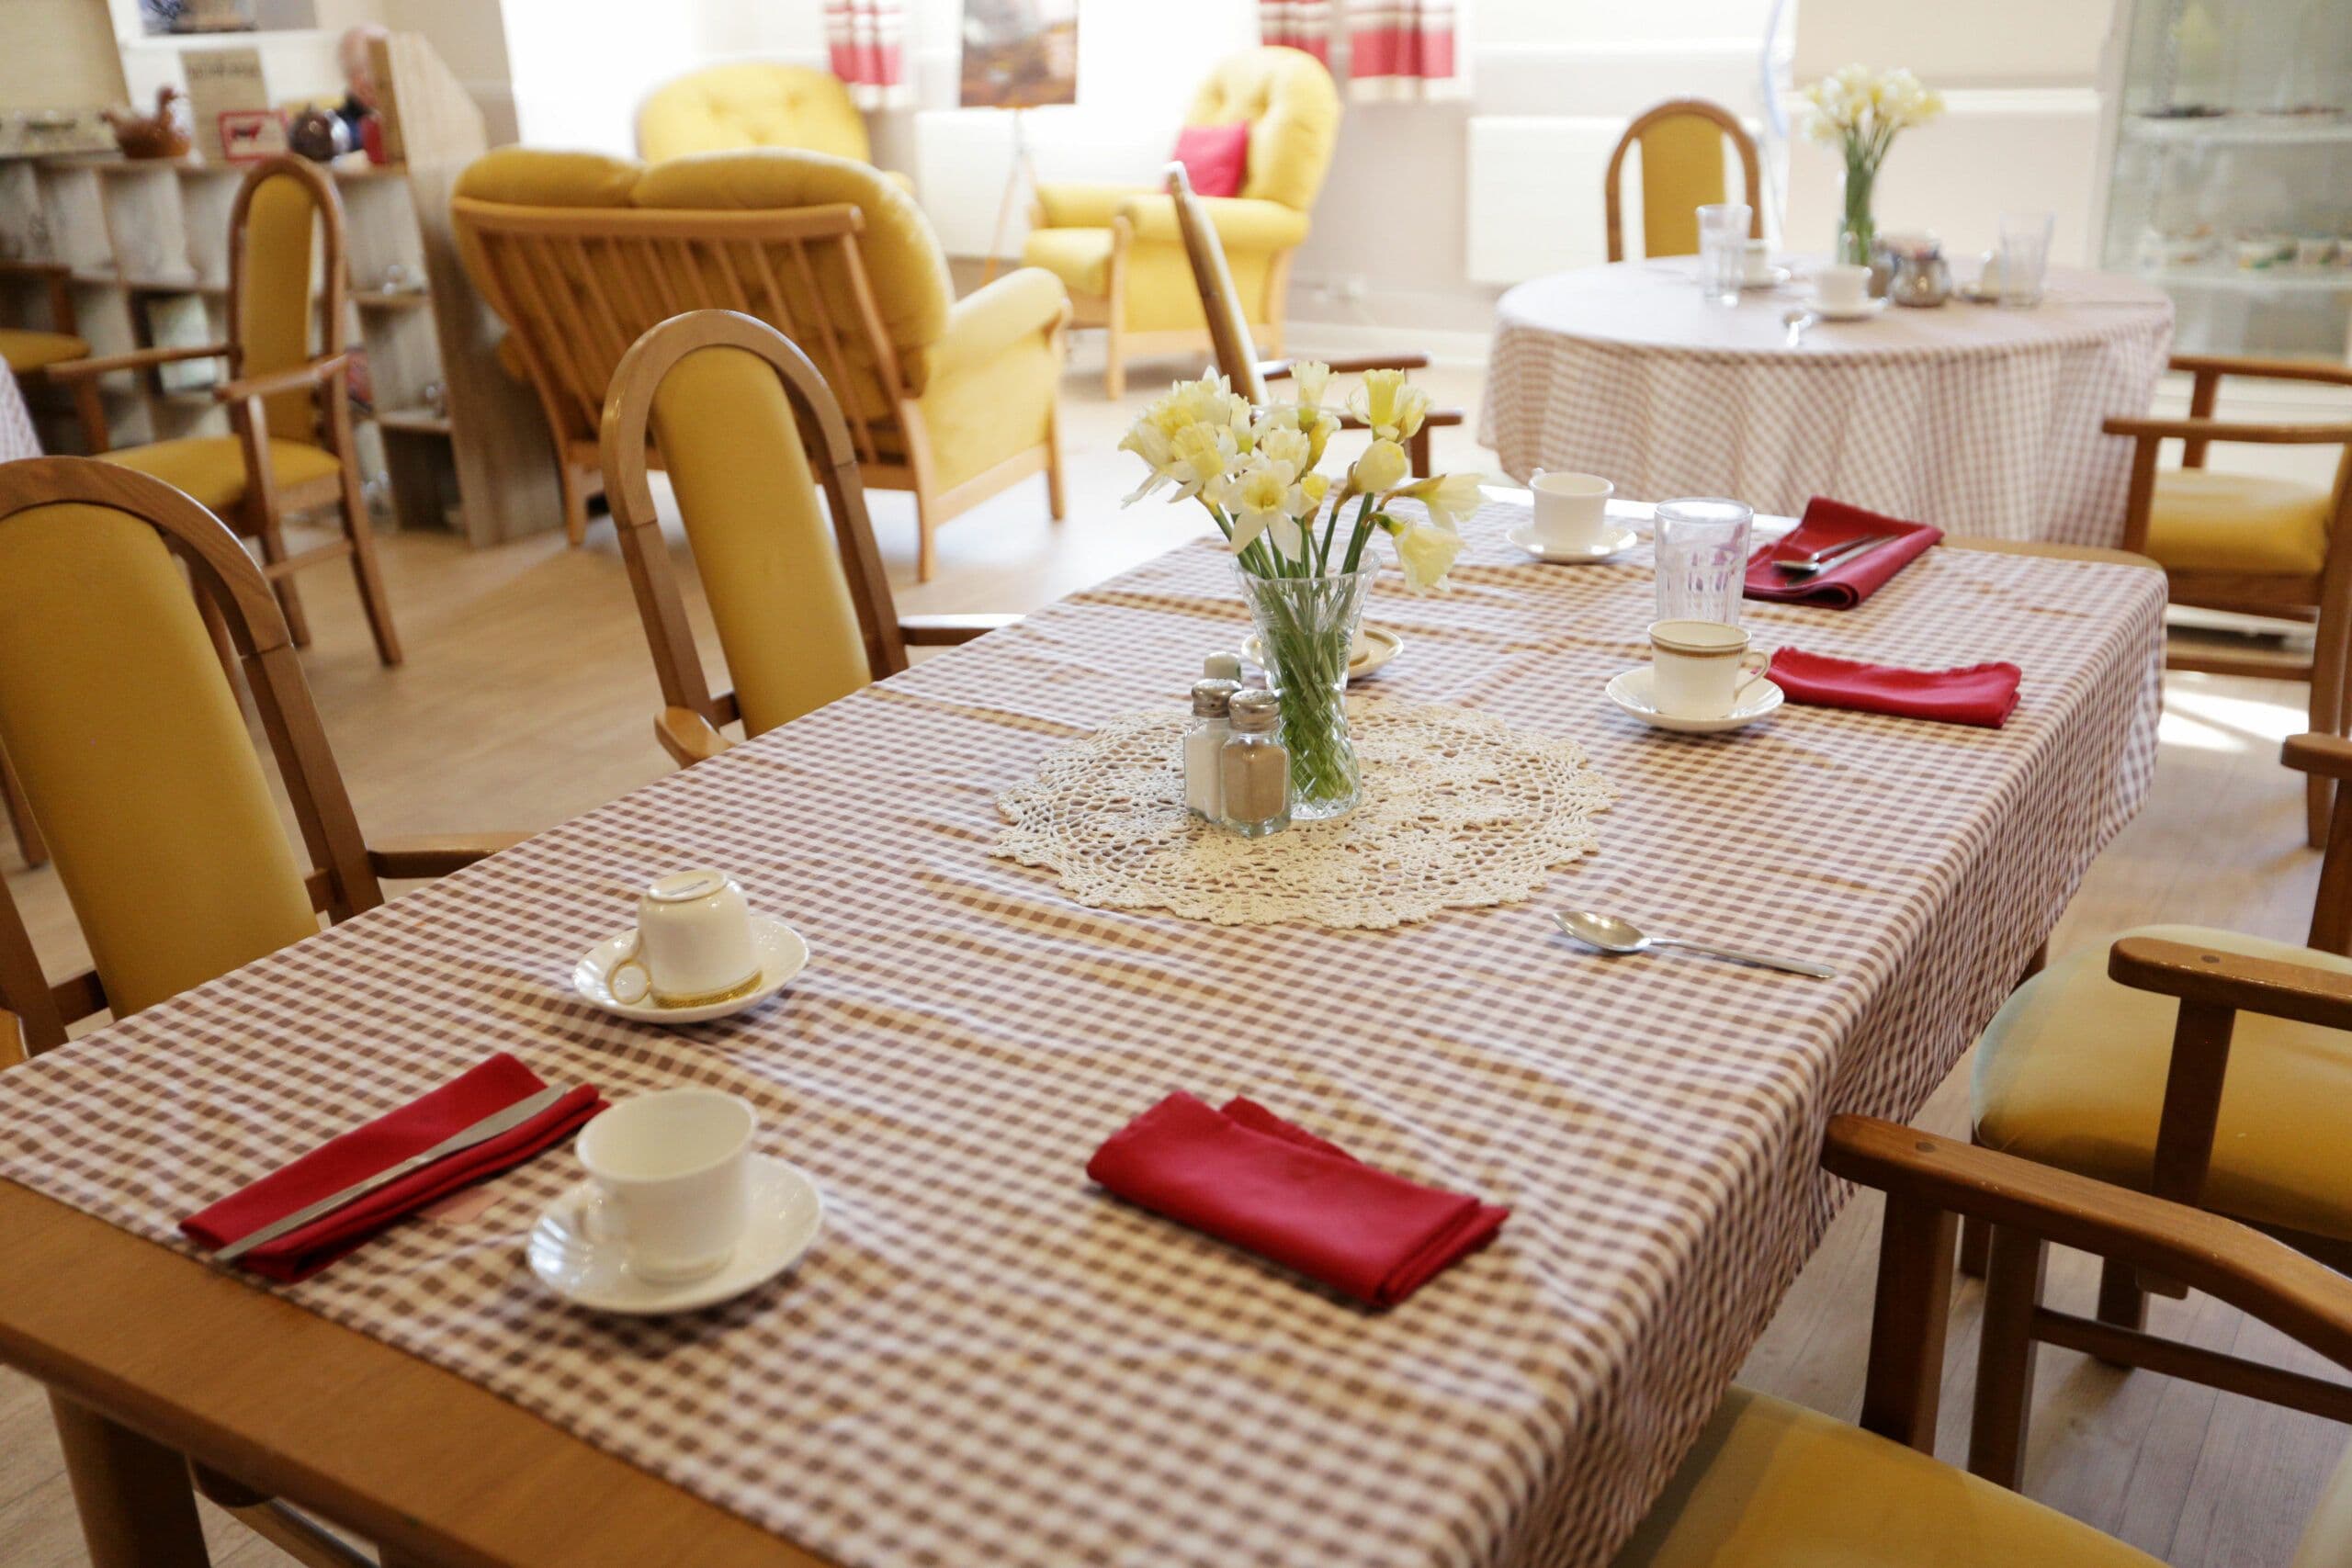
pixel 1459 810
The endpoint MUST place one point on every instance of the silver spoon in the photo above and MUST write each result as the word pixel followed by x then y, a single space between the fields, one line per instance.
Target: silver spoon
pixel 1797 322
pixel 1611 934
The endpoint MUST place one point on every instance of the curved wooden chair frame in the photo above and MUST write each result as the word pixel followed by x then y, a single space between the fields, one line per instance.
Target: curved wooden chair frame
pixel 238 603
pixel 1612 181
pixel 261 516
pixel 693 714
pixel 1236 357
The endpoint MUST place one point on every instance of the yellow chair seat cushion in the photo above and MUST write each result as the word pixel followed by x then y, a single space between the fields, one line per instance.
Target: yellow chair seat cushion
pixel 28 351
pixel 1080 257
pixel 212 468
pixel 2204 521
pixel 1772 1484
pixel 2071 1073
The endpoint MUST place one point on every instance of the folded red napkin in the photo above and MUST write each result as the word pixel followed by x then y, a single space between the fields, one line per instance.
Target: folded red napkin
pixel 1980 693
pixel 359 1153
pixel 1826 525
pixel 1244 1176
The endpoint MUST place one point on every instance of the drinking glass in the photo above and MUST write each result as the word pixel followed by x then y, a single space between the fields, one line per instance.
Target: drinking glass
pixel 1701 559
pixel 1723 251
pixel 2025 255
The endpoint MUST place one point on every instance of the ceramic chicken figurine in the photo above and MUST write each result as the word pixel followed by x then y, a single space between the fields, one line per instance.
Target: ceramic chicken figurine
pixel 158 135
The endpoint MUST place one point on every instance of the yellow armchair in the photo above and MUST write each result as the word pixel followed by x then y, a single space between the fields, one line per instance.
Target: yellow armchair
pixel 1118 249
pixel 754 103
pixel 580 254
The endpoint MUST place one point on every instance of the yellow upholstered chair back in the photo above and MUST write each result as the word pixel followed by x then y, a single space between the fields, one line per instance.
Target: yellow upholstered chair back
pixel 582 254
pixel 1682 170
pixel 130 743
pixel 286 215
pixel 728 108
pixel 1294 114
pixel 795 586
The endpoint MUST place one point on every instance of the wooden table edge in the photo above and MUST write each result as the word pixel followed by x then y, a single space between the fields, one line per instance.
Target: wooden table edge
pixel 410 1457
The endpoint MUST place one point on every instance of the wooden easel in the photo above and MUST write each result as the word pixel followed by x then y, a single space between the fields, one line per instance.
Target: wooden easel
pixel 1022 166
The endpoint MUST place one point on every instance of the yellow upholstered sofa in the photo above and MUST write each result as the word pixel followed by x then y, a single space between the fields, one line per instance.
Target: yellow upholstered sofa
pixel 1118 250
pixel 579 253
pixel 754 103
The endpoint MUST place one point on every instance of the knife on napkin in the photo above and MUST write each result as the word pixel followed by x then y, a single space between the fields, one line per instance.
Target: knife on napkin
pixel 481 1132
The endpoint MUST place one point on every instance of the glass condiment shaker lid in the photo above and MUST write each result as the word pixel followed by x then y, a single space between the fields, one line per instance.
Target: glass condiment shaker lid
pixel 1254 713
pixel 1210 697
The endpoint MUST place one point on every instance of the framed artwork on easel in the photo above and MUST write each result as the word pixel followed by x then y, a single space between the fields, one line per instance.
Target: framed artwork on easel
pixel 1017 55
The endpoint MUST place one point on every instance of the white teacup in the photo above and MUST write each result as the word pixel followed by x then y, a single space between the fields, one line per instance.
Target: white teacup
pixel 672 1180
pixel 1701 668
pixel 1842 287
pixel 1756 261
pixel 692 945
pixel 1571 508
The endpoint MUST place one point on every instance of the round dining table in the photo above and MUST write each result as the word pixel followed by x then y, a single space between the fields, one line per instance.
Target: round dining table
pixel 1980 419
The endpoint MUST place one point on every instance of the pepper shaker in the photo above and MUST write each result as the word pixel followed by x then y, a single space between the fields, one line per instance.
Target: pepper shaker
pixel 1253 768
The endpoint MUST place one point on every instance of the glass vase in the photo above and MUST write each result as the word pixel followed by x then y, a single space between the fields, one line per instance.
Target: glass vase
pixel 1857 229
pixel 1306 630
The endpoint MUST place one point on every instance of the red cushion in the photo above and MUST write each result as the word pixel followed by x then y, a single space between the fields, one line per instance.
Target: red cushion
pixel 1215 157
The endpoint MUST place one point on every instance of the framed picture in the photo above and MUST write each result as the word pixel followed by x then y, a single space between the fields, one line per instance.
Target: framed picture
pixel 247 136
pixel 1020 53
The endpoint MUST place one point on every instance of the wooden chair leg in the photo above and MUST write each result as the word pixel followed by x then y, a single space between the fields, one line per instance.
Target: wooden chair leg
pixel 1416 448
pixel 2003 1410
pixel 1975 1246
pixel 926 528
pixel 1905 1374
pixel 574 485
pixel 1056 501
pixel 29 842
pixel 90 413
pixel 2122 1301
pixel 272 536
pixel 361 531
pixel 1115 369
pixel 137 1506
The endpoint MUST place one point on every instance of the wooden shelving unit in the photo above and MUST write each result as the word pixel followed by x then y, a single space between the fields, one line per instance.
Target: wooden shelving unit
pixel 147 243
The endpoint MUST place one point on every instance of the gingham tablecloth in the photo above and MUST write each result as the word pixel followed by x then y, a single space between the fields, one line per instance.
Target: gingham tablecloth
pixel 1980 420
pixel 985 1360
pixel 16 436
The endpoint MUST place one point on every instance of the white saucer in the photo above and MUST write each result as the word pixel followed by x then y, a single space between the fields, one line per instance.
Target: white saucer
pixel 1379 645
pixel 1612 542
pixel 1771 277
pixel 1829 312
pixel 787 1214
pixel 1631 691
pixel 782 955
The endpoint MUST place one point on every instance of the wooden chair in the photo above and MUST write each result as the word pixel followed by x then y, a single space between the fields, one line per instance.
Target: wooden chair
pixel 1236 357
pixel 2132 1064
pixel 291 449
pixel 1770 1483
pixel 953 399
pixel 31 354
pixel 129 740
pixel 2251 543
pixel 1682 170
pixel 802 605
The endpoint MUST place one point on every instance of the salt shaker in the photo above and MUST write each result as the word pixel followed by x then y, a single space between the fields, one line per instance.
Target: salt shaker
pixel 1203 793
pixel 1253 768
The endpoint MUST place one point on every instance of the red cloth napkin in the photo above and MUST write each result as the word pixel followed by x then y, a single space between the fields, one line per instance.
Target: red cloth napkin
pixel 1242 1174
pixel 1826 525
pixel 359 1153
pixel 1980 693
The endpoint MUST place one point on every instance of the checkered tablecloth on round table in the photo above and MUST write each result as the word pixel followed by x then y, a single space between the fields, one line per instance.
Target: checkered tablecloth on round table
pixel 985 1360
pixel 1976 419
pixel 16 436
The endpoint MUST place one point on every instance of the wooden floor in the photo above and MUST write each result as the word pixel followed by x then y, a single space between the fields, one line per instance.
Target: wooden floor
pixel 528 698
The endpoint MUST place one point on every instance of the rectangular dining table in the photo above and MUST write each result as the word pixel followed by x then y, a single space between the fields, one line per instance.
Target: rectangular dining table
pixel 984 1358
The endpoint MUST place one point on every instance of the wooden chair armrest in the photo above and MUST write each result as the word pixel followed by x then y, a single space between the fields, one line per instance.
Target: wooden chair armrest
pixel 949 631
pixel 2329 756
pixel 2229 430
pixel 138 360
pixel 2327 372
pixel 294 378
pixel 411 858
pixel 21 268
pixel 2256 1273
pixel 688 737
pixel 2228 980
pixel 1275 369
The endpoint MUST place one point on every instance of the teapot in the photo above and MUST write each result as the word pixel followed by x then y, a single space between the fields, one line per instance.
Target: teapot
pixel 1920 276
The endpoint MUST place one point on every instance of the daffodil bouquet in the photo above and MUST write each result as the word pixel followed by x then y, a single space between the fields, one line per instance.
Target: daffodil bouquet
pixel 1861 112
pixel 1299 539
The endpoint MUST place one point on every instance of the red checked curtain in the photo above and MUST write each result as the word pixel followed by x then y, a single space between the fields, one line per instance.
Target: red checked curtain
pixel 1396 48
pixel 867 41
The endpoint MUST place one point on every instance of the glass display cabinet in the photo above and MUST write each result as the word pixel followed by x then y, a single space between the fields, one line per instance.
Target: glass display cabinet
pixel 2227 175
